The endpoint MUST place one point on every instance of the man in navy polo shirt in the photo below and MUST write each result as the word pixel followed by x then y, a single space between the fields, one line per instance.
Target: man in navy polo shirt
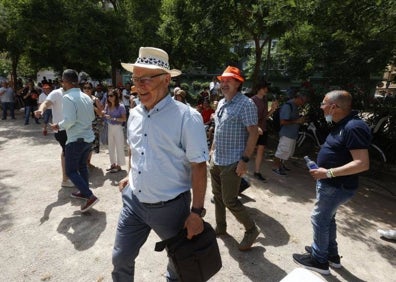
pixel 341 158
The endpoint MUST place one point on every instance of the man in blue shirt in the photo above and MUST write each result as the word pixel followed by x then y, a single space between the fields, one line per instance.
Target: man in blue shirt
pixel 168 154
pixel 78 114
pixel 290 121
pixel 235 138
pixel 343 155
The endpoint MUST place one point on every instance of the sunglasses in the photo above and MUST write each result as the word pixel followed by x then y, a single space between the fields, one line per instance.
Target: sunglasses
pixel 110 95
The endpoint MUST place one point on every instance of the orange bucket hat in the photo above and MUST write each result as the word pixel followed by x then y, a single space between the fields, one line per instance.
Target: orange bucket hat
pixel 232 72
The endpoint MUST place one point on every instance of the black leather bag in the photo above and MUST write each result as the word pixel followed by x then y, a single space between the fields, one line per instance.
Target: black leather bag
pixel 244 185
pixel 196 260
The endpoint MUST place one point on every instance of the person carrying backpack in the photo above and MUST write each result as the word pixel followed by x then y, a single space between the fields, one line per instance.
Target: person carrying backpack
pixel 290 122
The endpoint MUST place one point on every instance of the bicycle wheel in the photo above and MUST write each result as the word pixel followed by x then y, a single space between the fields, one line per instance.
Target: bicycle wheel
pixel 377 161
pixel 305 145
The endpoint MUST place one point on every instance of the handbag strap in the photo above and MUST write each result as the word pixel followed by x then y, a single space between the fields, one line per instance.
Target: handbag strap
pixel 160 246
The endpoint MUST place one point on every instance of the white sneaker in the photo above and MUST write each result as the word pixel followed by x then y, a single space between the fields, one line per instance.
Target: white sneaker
pixel 67 184
pixel 389 234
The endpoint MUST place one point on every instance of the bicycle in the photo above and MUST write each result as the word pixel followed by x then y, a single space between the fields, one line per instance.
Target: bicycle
pixel 308 142
pixel 378 158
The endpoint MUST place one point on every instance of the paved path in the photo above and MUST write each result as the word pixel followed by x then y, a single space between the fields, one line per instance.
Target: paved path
pixel 44 237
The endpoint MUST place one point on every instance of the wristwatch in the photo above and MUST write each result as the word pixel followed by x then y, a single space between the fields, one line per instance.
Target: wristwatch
pixel 199 211
pixel 329 174
pixel 245 159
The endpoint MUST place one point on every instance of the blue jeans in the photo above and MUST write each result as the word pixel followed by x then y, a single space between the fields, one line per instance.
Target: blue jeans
pixel 134 226
pixel 47 116
pixel 328 199
pixel 76 156
pixel 28 111
pixel 8 106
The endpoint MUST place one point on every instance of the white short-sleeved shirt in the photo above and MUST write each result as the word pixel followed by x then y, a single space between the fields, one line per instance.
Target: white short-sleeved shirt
pixel 56 98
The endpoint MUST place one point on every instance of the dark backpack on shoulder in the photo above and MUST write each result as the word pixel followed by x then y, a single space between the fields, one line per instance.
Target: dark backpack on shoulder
pixel 276 126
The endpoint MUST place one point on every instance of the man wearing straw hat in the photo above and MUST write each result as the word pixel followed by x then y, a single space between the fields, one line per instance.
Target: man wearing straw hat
pixel 168 154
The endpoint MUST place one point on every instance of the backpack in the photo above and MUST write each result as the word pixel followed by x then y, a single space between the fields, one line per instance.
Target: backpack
pixel 276 126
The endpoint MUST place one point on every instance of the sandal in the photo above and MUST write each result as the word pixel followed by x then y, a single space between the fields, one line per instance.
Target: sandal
pixel 111 167
pixel 117 168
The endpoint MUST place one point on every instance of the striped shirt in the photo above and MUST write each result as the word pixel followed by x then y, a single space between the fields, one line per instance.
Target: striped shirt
pixel 232 119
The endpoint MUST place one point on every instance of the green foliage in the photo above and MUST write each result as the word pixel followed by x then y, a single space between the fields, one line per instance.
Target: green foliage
pixel 5 64
pixel 196 85
pixel 343 41
pixel 193 34
pixel 185 86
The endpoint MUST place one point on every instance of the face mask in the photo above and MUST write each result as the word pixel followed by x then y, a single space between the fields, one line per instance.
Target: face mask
pixel 329 118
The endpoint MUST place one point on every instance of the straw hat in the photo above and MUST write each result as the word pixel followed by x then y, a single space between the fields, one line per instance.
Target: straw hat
pixel 152 58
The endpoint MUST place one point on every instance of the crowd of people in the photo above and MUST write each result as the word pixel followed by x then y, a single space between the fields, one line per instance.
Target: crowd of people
pixel 165 187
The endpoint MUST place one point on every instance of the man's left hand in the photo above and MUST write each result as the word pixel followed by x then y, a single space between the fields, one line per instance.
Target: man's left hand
pixel 241 168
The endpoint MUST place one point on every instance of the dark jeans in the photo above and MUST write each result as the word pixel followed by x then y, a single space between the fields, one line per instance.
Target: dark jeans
pixel 76 156
pixel 47 115
pixel 134 225
pixel 28 111
pixel 8 106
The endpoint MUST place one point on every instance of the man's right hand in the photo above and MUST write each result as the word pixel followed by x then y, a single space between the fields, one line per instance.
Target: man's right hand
pixel 123 183
pixel 38 113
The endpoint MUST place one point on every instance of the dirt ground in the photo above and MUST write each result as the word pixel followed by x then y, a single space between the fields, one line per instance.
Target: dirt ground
pixel 44 237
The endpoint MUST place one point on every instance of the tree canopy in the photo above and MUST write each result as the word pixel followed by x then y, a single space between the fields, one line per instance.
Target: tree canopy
pixel 341 40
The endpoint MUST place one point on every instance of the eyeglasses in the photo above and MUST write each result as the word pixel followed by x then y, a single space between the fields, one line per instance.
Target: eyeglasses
pixel 110 95
pixel 325 104
pixel 146 79
pixel 87 87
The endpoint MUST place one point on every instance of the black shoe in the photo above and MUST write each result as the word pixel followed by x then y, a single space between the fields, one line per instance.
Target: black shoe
pixel 279 171
pixel 285 168
pixel 334 261
pixel 308 262
pixel 259 177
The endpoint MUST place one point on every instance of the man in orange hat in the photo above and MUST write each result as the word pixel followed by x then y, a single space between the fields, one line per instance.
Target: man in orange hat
pixel 234 141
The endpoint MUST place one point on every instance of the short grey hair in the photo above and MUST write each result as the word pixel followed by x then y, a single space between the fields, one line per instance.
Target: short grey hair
pixel 342 98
